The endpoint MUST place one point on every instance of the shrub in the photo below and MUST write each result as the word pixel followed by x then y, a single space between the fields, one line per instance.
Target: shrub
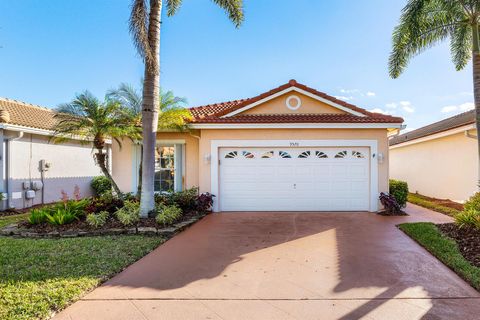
pixel 129 213
pixel 468 218
pixel 38 216
pixel 473 203
pixel 167 215
pixel 97 220
pixel 204 202
pixel 390 203
pixel 106 202
pixel 185 200
pixel 60 217
pixel 399 189
pixel 101 185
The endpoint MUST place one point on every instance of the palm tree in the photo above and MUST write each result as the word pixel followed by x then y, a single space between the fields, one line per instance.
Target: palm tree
pixel 173 116
pixel 90 119
pixel 425 23
pixel 145 29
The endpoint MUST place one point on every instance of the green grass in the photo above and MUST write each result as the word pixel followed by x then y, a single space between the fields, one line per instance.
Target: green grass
pixel 444 248
pixel 5 221
pixel 38 276
pixel 423 202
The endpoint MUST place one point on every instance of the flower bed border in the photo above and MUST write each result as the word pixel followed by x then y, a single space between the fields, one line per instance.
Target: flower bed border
pixel 14 231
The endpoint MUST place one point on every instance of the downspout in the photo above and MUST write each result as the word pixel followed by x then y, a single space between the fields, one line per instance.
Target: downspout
pixel 8 166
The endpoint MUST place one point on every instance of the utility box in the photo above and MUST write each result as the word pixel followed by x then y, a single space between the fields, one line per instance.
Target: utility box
pixel 44 165
pixel 26 185
pixel 37 185
pixel 29 194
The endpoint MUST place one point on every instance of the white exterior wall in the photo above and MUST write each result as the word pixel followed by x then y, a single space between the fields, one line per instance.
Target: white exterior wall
pixel 71 164
pixel 444 168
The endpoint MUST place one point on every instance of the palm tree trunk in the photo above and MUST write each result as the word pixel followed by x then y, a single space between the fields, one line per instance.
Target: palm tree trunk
pixel 476 90
pixel 102 163
pixel 151 90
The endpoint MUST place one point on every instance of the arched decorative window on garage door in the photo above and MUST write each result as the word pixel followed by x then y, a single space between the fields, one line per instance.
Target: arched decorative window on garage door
pixel 267 155
pixel 321 155
pixel 304 154
pixel 341 154
pixel 231 155
pixel 248 154
pixel 357 154
pixel 284 154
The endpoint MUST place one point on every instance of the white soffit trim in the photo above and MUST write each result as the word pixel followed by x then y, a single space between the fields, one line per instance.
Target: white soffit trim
pixel 434 136
pixel 295 125
pixel 306 93
pixel 215 145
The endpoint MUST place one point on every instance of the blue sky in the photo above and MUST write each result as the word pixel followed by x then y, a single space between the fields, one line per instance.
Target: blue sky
pixel 52 49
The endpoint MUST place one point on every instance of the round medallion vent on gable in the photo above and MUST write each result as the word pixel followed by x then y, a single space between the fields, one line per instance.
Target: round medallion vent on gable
pixel 293 102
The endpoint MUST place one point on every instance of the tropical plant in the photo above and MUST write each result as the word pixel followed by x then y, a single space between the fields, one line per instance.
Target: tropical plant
pixel 101 185
pixel 172 116
pixel 425 23
pixel 167 215
pixel 129 213
pixel 90 119
pixel 97 220
pixel 468 218
pixel 473 203
pixel 38 215
pixel 390 204
pixel 399 189
pixel 145 29
pixel 204 202
pixel 60 216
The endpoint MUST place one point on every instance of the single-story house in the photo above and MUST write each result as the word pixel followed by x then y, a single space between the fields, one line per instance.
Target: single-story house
pixel 33 170
pixel 292 148
pixel 439 160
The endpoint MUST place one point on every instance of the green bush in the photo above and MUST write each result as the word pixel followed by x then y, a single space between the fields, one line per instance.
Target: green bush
pixel 38 216
pixel 129 213
pixel 399 189
pixel 60 217
pixel 473 203
pixel 101 185
pixel 186 199
pixel 468 218
pixel 97 220
pixel 167 215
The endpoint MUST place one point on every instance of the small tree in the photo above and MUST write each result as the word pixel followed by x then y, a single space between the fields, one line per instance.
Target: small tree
pixel 89 119
pixel 173 116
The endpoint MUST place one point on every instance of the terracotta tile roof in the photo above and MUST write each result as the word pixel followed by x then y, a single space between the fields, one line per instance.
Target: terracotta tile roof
pixel 27 115
pixel 212 113
pixel 437 127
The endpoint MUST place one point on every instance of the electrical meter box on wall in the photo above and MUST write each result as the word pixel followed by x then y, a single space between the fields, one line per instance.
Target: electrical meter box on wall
pixel 37 185
pixel 29 194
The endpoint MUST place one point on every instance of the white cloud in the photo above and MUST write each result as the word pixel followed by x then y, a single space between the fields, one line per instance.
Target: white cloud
pixel 344 98
pixel 349 90
pixel 407 106
pixel 460 108
pixel 371 94
pixel 378 110
pixel 391 105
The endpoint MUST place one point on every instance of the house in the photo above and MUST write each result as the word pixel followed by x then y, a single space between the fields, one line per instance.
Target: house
pixel 439 160
pixel 292 148
pixel 34 170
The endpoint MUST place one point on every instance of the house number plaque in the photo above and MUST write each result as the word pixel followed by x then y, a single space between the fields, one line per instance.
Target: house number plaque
pixel 294 144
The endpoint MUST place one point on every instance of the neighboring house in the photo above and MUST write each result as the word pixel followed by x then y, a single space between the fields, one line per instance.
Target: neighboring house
pixel 34 170
pixel 289 149
pixel 439 160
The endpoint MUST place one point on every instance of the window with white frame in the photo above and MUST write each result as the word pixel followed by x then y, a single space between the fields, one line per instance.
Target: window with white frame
pixel 168 168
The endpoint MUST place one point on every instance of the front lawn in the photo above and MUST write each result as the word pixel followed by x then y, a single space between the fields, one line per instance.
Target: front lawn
pixel 38 277
pixel 444 248
pixel 6 220
pixel 447 207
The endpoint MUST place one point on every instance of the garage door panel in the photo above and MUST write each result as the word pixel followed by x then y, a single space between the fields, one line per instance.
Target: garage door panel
pixel 313 179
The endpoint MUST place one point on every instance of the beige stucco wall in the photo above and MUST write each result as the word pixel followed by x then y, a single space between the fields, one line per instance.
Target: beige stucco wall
pixel 126 160
pixel 71 164
pixel 277 106
pixel 125 164
pixel 444 168
pixel 292 134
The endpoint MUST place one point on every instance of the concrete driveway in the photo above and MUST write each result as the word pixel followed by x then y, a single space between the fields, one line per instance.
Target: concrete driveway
pixel 286 266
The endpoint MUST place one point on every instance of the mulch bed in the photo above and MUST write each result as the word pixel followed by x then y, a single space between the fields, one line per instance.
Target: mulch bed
pixel 386 214
pixel 467 239
pixel 444 202
pixel 82 225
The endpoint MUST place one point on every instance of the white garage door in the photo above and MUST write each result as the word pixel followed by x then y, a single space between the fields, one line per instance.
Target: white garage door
pixel 294 179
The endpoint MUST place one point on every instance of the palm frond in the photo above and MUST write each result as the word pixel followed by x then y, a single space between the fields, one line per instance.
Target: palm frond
pixel 173 6
pixel 128 96
pixel 138 26
pixel 423 24
pixel 461 45
pixel 234 10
